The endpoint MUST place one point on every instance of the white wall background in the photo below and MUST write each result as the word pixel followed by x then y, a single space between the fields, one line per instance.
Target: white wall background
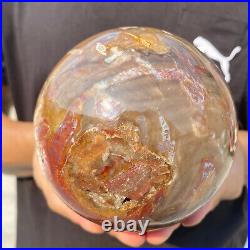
pixel 8 211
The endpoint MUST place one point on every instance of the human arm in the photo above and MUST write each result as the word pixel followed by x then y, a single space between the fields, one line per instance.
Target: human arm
pixel 17 147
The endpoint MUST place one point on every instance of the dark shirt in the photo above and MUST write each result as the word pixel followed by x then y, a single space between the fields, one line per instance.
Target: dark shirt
pixel 37 35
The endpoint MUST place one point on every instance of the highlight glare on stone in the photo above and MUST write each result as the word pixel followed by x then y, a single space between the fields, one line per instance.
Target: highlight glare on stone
pixel 136 123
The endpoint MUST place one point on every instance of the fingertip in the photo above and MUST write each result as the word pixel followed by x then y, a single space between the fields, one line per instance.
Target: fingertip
pixel 91 230
pixel 158 237
pixel 192 221
pixel 90 226
pixel 197 217
pixel 128 238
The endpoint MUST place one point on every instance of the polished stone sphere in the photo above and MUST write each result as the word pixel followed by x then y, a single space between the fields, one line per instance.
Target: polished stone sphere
pixel 135 122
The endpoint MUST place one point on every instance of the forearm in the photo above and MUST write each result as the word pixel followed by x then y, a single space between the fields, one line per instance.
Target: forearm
pixel 17 147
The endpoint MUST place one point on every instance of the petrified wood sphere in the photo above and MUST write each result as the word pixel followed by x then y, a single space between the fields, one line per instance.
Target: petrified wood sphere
pixel 135 123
